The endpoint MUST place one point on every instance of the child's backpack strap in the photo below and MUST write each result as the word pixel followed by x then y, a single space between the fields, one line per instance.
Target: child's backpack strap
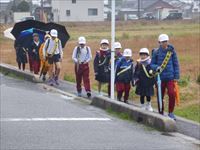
pixel 78 51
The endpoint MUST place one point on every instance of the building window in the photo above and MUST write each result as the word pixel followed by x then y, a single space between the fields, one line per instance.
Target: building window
pixel 73 1
pixel 92 12
pixel 68 12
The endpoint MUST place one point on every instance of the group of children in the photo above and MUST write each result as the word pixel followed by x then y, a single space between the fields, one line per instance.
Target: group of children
pixel 41 56
pixel 126 72
pixel 141 73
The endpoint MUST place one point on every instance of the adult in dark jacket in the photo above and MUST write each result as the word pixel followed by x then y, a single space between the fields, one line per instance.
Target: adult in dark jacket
pixel 34 53
pixel 144 79
pixel 21 55
pixel 102 65
pixel 169 73
pixel 124 74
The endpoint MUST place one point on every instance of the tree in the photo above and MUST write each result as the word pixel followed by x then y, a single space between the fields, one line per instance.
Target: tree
pixel 23 6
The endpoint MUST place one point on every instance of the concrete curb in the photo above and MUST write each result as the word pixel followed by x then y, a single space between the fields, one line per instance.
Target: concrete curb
pixel 9 69
pixel 151 119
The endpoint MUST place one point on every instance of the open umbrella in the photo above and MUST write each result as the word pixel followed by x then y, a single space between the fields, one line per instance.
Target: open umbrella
pixel 63 35
pixel 26 37
pixel 25 25
pixel 7 33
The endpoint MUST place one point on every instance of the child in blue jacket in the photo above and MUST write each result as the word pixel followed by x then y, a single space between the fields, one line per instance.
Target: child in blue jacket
pixel 124 73
pixel 165 61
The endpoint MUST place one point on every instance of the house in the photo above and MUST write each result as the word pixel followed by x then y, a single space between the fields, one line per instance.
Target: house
pixel 47 7
pixel 196 6
pixel 161 9
pixel 196 9
pixel 5 12
pixel 130 8
pixel 185 8
pixel 78 10
pixel 129 13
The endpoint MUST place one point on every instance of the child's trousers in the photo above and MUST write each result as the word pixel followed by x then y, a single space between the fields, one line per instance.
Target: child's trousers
pixel 171 94
pixel 123 88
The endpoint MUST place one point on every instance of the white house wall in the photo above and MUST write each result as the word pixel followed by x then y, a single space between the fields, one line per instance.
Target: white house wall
pixel 78 11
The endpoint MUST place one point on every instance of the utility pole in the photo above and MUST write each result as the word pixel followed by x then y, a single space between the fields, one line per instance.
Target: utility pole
pixel 42 11
pixel 112 82
pixel 139 9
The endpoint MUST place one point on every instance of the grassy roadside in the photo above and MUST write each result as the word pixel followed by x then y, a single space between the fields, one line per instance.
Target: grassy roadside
pixel 10 74
pixel 191 112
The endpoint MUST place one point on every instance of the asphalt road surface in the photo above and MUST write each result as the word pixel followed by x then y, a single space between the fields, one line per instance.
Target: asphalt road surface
pixel 35 119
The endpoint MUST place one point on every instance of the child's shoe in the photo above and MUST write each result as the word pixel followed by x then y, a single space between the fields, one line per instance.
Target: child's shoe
pixel 172 116
pixel 148 107
pixel 44 78
pixel 79 94
pixel 88 94
pixel 143 107
pixel 51 82
pixel 100 94
pixel 126 101
pixel 56 80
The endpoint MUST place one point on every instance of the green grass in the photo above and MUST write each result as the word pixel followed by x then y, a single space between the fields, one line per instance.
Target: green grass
pixel 123 116
pixel 184 81
pixel 69 78
pixel 12 75
pixel 191 112
pixel 127 117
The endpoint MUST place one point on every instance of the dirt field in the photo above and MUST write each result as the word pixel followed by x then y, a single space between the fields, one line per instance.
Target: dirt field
pixel 184 35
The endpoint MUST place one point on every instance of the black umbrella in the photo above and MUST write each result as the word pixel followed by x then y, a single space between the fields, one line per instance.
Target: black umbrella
pixel 25 25
pixel 63 35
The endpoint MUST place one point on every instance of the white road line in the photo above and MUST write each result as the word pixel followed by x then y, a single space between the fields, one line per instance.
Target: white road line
pixel 52 119
pixel 67 97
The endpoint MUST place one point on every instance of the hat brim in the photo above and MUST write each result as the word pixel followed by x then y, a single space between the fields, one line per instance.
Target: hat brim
pixel 54 35
pixel 82 43
pixel 127 55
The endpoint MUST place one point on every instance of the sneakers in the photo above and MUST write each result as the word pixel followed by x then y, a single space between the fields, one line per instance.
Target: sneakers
pixel 119 98
pixel 126 101
pixel 100 94
pixel 172 116
pixel 56 80
pixel 148 107
pixel 51 82
pixel 79 94
pixel 88 94
pixel 143 107
pixel 44 78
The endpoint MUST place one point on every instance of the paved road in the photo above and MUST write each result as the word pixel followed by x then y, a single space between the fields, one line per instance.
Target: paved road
pixel 34 119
